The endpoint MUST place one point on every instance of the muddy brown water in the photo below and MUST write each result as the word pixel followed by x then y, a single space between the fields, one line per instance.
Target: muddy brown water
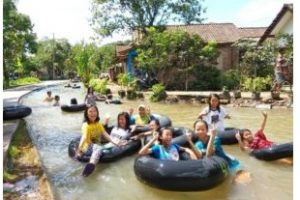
pixel 52 130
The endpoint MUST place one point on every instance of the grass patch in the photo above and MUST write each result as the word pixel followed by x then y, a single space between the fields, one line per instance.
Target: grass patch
pixel 22 155
pixel 23 81
pixel 8 177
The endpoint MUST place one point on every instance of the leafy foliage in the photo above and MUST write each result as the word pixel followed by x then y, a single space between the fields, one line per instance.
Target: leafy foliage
pixel 231 79
pixel 24 81
pixel 159 92
pixel 257 84
pixel 118 15
pixel 176 54
pixel 99 85
pixel 18 39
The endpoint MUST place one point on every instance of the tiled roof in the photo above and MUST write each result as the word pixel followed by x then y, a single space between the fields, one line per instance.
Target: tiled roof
pixel 123 49
pixel 219 32
pixel 251 32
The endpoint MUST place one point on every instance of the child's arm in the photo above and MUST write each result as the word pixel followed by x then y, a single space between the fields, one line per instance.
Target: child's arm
pixel 210 147
pixel 107 136
pixel 190 152
pixel 193 147
pixel 143 134
pixel 241 144
pixel 203 113
pixel 146 149
pixel 263 124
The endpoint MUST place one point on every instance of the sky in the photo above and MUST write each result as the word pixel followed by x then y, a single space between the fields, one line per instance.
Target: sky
pixel 70 18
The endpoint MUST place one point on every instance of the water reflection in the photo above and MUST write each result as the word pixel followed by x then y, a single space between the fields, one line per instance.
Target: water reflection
pixel 52 130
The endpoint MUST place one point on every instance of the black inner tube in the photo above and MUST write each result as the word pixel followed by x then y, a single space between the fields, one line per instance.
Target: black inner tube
pixel 109 154
pixel 276 151
pixel 183 175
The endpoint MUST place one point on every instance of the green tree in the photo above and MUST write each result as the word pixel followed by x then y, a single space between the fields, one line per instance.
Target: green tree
pixel 18 39
pixel 55 56
pixel 115 15
pixel 84 56
pixel 176 54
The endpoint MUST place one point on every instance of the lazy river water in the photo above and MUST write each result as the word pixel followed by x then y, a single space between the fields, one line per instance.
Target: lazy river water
pixel 52 130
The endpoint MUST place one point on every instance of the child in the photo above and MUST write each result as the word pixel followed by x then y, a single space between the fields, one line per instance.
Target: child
pixel 280 70
pixel 49 97
pixel 142 118
pixel 208 145
pixel 154 126
pixel 90 98
pixel 214 113
pixel 130 112
pixel 120 133
pixel 89 144
pixel 56 99
pixel 248 142
pixel 165 150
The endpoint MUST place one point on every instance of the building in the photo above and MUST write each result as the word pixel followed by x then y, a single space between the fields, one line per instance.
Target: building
pixel 224 34
pixel 282 24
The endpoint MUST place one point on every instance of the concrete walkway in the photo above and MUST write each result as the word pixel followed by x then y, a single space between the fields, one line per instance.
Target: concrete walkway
pixel 12 97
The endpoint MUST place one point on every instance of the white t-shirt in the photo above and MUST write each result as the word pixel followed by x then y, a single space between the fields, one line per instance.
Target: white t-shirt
pixel 215 116
pixel 119 134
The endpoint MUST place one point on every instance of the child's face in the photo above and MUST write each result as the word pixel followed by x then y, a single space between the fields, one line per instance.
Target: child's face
pixel 142 112
pixel 201 130
pixel 92 114
pixel 122 121
pixel 214 102
pixel 49 94
pixel 153 126
pixel 248 136
pixel 166 137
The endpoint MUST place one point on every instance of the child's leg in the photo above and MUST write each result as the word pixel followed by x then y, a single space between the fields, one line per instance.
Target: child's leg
pixel 95 154
pixel 90 167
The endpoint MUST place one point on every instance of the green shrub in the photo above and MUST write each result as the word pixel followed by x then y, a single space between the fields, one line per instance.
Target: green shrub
pixel 208 78
pixel 257 84
pixel 24 81
pixel 99 85
pixel 159 92
pixel 231 79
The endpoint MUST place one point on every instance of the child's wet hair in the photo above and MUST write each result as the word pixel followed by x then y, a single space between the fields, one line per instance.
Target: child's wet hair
pixel 86 118
pixel 209 99
pixel 127 118
pixel 156 121
pixel 49 92
pixel 56 97
pixel 200 120
pixel 160 132
pixel 242 132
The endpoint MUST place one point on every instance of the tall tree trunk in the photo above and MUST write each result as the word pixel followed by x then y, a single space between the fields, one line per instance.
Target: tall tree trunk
pixel 6 75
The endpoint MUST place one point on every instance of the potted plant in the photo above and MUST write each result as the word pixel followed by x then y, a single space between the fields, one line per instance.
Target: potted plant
pixel 255 85
pixel 123 80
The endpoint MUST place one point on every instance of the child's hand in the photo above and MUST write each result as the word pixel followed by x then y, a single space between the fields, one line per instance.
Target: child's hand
pixel 189 136
pixel 155 135
pixel 213 130
pixel 107 118
pixel 264 113
pixel 123 142
pixel 135 137
pixel 130 111
pixel 237 135
pixel 78 154
pixel 202 114
pixel 228 117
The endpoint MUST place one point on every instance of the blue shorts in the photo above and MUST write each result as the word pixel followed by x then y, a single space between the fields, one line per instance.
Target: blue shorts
pixel 279 78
